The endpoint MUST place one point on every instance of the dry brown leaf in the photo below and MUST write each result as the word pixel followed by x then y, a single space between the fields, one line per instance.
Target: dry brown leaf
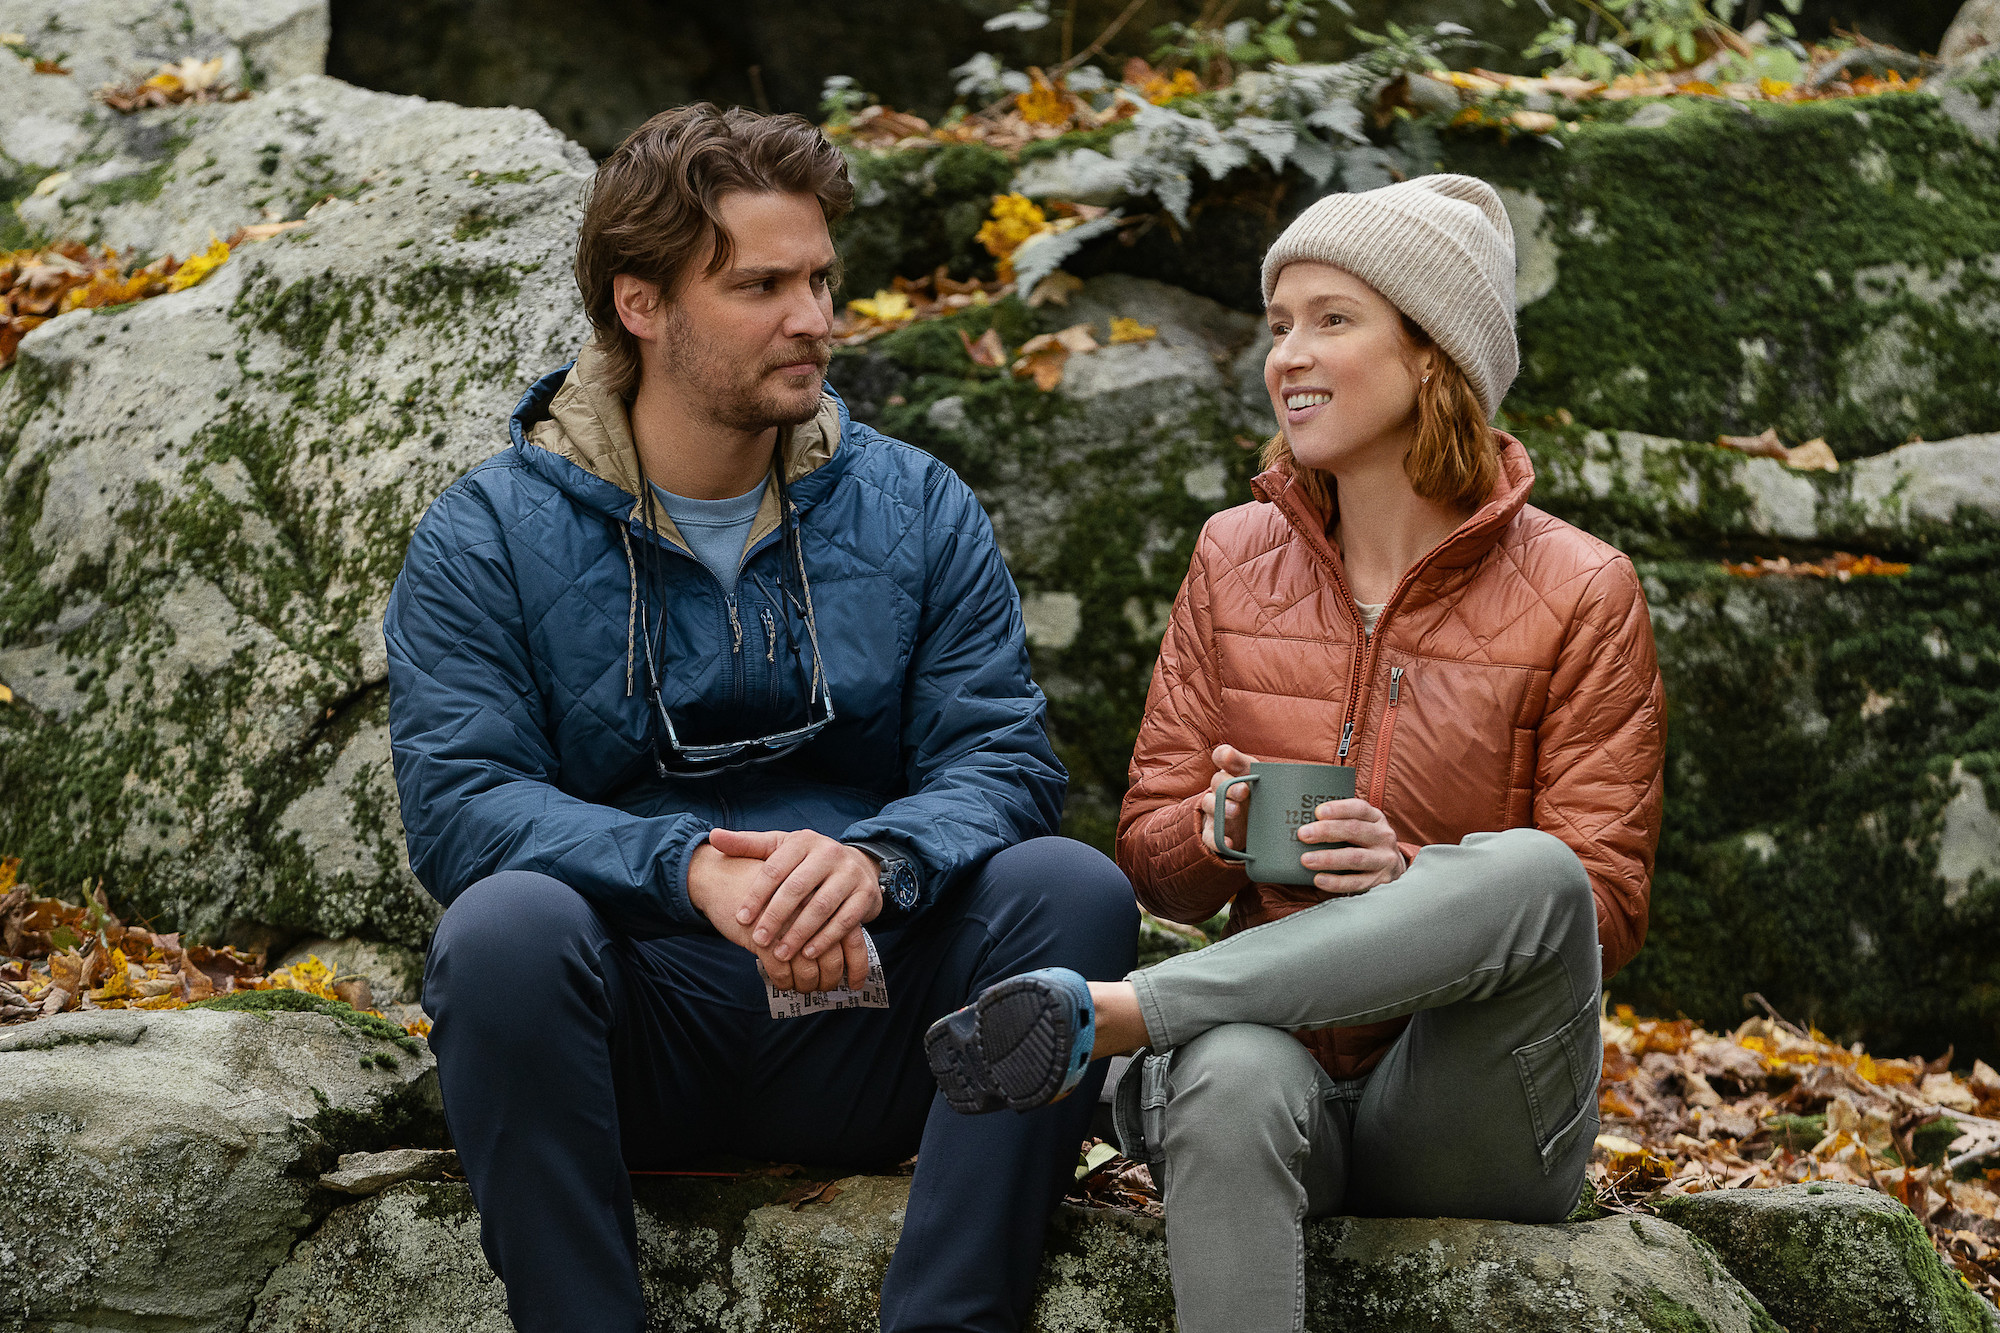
pixel 987 350
pixel 1813 455
pixel 1766 445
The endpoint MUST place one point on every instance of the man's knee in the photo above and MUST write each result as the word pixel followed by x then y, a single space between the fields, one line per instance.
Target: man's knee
pixel 507 922
pixel 1071 880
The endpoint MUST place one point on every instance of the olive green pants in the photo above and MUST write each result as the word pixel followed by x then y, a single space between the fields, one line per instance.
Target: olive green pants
pixel 1484 1107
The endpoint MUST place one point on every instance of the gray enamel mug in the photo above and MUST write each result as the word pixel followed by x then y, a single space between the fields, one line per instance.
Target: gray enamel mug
pixel 1281 802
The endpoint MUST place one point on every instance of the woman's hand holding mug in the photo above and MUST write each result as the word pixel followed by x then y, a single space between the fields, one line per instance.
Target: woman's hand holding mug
pixel 1370 857
pixel 1227 759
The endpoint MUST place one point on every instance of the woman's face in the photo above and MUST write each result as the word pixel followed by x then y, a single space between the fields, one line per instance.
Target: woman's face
pixel 1343 372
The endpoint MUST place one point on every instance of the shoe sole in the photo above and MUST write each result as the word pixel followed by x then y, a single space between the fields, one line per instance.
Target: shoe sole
pixel 1012 1046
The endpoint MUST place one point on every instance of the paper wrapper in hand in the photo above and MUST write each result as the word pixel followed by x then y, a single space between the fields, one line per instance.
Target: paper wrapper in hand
pixel 873 994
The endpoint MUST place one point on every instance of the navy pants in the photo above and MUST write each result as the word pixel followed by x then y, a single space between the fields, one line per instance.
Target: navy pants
pixel 570 1053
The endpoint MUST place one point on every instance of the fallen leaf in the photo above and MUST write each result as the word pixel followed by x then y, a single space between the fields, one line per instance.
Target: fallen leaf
pixel 1046 102
pixel 799 1196
pixel 1044 366
pixel 986 351
pixel 6 697
pixel 1126 330
pixel 1076 339
pixel 1094 1156
pixel 888 306
pixel 261 231
pixel 1761 446
pixel 200 266
pixel 1813 455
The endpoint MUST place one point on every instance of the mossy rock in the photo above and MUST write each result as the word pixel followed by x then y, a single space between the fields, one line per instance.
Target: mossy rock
pixel 1832 1257
pixel 1828 268
pixel 206 497
pixel 1828 830
pixel 299 1002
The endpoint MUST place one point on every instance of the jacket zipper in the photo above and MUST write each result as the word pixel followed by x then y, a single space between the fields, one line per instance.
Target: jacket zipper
pixel 770 657
pixel 1378 785
pixel 1364 662
pixel 735 646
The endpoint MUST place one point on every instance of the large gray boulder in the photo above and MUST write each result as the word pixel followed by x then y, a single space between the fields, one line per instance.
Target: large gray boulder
pixel 1834 1256
pixel 205 497
pixel 728 1258
pixel 158 1165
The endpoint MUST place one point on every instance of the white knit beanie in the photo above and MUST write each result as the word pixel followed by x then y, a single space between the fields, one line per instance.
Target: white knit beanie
pixel 1440 249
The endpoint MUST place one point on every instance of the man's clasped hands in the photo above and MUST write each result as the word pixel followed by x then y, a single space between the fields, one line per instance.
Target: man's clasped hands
pixel 797 900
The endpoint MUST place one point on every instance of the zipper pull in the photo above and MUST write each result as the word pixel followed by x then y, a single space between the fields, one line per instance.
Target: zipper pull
pixel 770 636
pixel 735 626
pixel 1395 683
pixel 1346 739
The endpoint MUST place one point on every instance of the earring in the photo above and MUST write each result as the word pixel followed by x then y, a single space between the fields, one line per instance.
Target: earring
pixel 1426 379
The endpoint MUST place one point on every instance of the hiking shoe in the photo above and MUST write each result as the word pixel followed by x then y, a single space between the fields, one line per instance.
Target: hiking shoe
pixel 1023 1043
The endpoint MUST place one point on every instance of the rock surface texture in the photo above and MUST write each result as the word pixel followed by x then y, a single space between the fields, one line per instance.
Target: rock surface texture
pixel 1834 1257
pixel 205 497
pixel 160 1165
pixel 406 1261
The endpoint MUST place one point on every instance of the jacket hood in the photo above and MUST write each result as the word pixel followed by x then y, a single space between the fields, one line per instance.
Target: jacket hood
pixel 576 432
pixel 1451 561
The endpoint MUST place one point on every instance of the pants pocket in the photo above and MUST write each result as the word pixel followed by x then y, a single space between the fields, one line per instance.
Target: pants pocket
pixel 1559 1076
pixel 1139 1113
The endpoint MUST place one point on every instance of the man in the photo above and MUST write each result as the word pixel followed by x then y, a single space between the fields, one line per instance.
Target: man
pixel 702 683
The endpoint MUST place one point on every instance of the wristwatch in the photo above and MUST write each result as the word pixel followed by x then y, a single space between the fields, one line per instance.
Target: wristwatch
pixel 898 874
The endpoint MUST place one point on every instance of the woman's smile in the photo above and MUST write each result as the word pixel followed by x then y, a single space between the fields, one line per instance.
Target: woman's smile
pixel 1302 404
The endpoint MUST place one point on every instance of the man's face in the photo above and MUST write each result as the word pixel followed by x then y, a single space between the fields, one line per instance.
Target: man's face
pixel 747 346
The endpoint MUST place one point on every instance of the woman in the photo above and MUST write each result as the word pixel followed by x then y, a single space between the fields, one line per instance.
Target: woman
pixel 1415 1034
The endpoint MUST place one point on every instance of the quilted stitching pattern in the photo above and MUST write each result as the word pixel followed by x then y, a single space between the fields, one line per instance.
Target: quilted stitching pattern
pixel 517 748
pixel 1516 607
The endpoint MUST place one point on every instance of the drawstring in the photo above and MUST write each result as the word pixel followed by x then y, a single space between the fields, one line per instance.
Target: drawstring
pixel 631 605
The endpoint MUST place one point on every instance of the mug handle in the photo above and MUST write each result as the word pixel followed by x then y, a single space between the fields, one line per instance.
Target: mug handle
pixel 1223 782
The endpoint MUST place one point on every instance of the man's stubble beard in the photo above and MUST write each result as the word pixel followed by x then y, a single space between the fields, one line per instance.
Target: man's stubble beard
pixel 732 397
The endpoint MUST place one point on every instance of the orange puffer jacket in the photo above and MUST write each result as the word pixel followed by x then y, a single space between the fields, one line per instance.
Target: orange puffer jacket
pixel 1510 682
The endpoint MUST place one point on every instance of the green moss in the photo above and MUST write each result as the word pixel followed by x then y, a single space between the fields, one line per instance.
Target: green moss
pixel 298 1002
pixel 1809 760
pixel 1796 1133
pixel 439 290
pixel 1931 1143
pixel 141 187
pixel 1729 271
pixel 1119 542
pixel 1833 1257
pixel 1982 82
pixel 477 222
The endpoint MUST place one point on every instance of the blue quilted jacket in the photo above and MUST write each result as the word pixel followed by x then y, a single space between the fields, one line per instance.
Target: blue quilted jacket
pixel 523 731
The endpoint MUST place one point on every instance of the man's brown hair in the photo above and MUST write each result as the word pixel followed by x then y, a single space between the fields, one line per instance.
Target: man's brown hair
pixel 1456 458
pixel 651 208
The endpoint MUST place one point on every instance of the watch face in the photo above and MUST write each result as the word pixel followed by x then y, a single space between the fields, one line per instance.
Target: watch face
pixel 899 882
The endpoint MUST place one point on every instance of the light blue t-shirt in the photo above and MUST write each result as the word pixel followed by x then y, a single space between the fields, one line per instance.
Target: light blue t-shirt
pixel 715 530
